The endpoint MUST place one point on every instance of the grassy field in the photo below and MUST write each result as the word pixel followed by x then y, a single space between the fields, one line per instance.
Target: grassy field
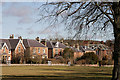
pixel 56 73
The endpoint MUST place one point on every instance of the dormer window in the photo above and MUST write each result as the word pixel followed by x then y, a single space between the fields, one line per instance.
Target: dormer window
pixel 19 49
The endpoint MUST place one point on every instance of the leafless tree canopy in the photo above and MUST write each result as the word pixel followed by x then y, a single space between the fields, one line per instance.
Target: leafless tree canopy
pixel 84 16
pixel 80 16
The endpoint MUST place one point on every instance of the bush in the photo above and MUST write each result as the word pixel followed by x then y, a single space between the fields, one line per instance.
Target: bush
pixel 78 58
pixel 61 59
pixel 89 58
pixel 110 62
pixel 68 55
pixel 44 61
pixel 36 60
pixel 80 62
pixel 106 61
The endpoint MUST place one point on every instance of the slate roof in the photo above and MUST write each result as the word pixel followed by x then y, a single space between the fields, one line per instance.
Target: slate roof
pixel 76 50
pixel 5 41
pixel 13 43
pixel 25 42
pixel 1 44
pixel 51 44
pixel 100 46
pixel 32 43
pixel 85 49
pixel 61 45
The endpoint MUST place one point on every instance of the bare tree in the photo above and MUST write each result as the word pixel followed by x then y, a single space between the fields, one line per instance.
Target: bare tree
pixel 84 16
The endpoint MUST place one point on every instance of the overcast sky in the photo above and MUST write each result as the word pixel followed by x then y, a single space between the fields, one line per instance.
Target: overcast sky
pixel 19 18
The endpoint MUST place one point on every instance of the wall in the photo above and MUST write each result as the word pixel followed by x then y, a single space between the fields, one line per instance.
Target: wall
pixel 50 52
pixel 41 50
pixel 78 54
pixel 21 49
pixel 59 50
pixel 5 54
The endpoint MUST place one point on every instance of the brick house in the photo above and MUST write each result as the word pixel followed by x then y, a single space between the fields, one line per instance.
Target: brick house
pixel 58 48
pixel 54 48
pixel 10 48
pixel 77 53
pixel 34 48
pixel 101 50
pixel 5 54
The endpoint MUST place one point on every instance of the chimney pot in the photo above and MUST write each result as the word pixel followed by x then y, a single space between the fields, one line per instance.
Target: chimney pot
pixel 37 39
pixel 43 41
pixel 20 37
pixel 12 36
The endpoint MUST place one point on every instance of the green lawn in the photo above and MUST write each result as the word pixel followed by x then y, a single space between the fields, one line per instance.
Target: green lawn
pixel 56 73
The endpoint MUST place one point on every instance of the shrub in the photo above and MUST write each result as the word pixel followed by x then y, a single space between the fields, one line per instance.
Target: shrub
pixel 61 59
pixel 68 55
pixel 106 61
pixel 90 58
pixel 36 60
pixel 81 62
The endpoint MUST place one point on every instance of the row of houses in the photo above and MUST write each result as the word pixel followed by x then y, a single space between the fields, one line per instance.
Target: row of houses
pixel 29 48
pixel 24 49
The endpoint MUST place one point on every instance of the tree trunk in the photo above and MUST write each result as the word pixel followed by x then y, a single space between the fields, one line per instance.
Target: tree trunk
pixel 116 54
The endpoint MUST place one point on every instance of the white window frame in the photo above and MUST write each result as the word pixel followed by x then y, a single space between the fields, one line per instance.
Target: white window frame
pixel 19 49
pixel 9 58
pixel 38 50
pixel 9 52
pixel 56 51
pixel 4 50
pixel 34 50
pixel 43 50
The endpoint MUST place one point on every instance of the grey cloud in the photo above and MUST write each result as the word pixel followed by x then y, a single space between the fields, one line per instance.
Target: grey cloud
pixel 19 28
pixel 17 35
pixel 24 13
pixel 25 20
pixel 30 31
pixel 18 11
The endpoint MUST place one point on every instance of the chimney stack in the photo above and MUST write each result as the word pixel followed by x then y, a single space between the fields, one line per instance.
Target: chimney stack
pixel 37 39
pixel 20 37
pixel 43 41
pixel 66 44
pixel 11 36
pixel 61 41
